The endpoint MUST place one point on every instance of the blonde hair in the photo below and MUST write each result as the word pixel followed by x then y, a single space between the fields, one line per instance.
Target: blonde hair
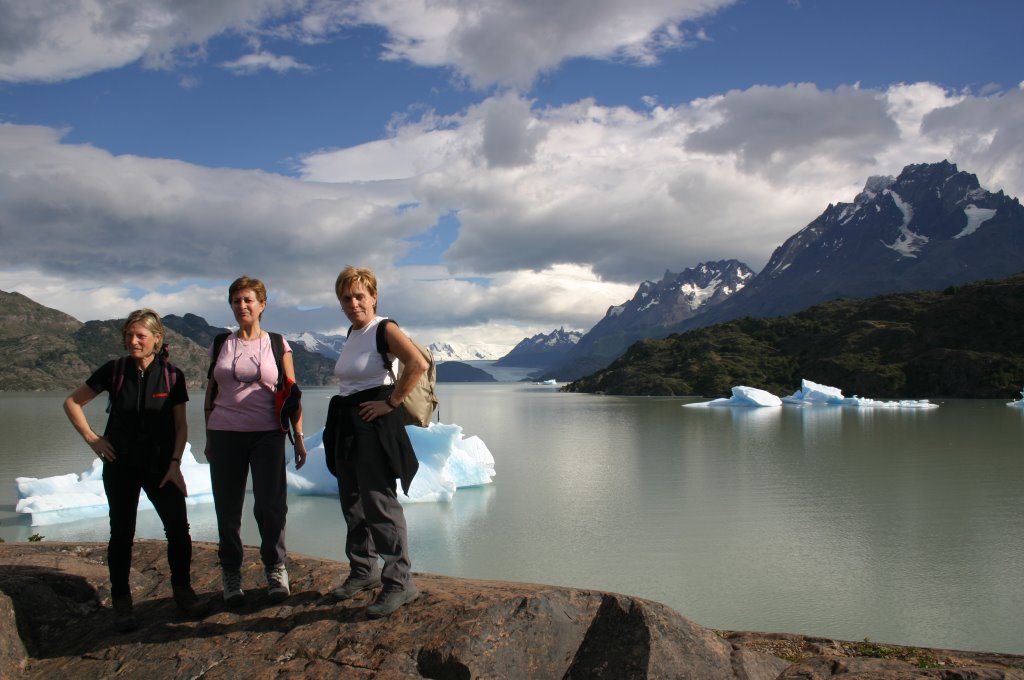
pixel 350 276
pixel 148 318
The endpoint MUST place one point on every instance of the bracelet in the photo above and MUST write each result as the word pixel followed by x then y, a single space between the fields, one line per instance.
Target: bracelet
pixel 176 460
pixel 388 402
pixel 299 434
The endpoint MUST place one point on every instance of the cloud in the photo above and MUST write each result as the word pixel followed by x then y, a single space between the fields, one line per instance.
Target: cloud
pixel 250 64
pixel 64 39
pixel 561 210
pixel 504 42
pixel 510 42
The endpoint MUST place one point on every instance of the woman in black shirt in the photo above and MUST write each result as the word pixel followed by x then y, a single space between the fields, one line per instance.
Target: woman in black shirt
pixel 141 449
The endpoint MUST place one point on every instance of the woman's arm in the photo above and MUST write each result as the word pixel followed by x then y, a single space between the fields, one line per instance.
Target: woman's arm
pixel 73 408
pixel 296 418
pixel 414 366
pixel 174 475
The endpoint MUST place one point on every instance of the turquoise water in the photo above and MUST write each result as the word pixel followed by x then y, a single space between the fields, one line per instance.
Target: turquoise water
pixel 904 527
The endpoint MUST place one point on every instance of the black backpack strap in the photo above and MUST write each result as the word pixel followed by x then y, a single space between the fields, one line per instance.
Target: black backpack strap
pixel 382 341
pixel 117 381
pixel 218 343
pixel 277 347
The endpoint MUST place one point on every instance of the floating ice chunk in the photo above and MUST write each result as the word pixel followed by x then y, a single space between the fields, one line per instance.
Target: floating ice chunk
pixel 864 402
pixel 448 461
pixel 745 397
pixel 1017 403
pixel 70 497
pixel 812 393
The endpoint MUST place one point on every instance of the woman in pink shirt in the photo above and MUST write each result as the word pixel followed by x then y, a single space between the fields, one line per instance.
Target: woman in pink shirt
pixel 243 434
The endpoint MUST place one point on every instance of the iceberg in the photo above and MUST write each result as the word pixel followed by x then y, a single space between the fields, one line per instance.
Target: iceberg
pixel 448 461
pixel 1017 403
pixel 812 393
pixel 745 397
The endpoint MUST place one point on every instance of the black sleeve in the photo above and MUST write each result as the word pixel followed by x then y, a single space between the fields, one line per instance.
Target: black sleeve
pixel 179 393
pixel 102 378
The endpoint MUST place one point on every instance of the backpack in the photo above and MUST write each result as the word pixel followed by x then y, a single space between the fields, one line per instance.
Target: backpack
pixel 287 395
pixel 422 401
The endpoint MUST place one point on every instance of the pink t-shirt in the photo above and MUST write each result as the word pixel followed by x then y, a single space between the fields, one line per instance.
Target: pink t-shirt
pixel 246 375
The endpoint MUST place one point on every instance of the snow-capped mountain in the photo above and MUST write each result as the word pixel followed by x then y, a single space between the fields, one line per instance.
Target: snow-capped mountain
pixel 658 306
pixel 324 345
pixel 542 350
pixel 931 227
pixel 454 351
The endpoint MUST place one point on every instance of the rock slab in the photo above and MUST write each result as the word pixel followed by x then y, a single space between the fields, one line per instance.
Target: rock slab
pixel 56 620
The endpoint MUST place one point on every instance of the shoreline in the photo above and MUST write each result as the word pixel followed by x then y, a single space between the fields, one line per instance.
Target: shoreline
pixel 55 619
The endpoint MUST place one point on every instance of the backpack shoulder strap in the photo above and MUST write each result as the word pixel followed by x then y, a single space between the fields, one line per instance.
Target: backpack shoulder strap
pixel 218 343
pixel 277 347
pixel 382 341
pixel 117 381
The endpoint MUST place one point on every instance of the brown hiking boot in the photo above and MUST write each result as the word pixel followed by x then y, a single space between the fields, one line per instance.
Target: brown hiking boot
pixel 189 603
pixel 124 613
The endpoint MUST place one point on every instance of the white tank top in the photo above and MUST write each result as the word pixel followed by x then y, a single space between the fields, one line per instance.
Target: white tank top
pixel 360 366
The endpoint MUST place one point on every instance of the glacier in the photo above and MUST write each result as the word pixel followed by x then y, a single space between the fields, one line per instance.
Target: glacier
pixel 448 461
pixel 810 394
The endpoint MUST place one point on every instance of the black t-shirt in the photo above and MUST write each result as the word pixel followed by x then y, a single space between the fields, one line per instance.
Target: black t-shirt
pixel 140 426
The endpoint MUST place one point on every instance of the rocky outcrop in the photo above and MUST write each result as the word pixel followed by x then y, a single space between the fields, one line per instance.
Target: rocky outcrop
pixel 55 621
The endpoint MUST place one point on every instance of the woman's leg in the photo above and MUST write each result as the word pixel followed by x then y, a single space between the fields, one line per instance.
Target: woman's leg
pixel 122 487
pixel 381 510
pixel 362 558
pixel 270 495
pixel 169 504
pixel 229 471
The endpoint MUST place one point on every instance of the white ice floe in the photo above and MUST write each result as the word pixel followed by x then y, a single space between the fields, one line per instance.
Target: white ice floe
pixel 1017 403
pixel 812 393
pixel 745 397
pixel 448 461
pixel 809 394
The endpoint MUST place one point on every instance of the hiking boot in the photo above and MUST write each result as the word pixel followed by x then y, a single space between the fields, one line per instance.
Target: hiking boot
pixel 234 596
pixel 390 600
pixel 354 585
pixel 189 603
pixel 277 583
pixel 124 613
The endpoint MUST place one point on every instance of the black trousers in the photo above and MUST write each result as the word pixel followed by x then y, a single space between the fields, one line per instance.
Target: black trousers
pixel 122 484
pixel 367 489
pixel 232 455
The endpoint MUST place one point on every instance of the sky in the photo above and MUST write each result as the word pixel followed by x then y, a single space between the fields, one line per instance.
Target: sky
pixel 506 167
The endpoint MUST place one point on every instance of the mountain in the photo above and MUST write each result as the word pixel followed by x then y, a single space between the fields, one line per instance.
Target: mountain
pixel 961 342
pixel 931 227
pixel 542 350
pixel 44 349
pixel 311 369
pixel 325 345
pixel 655 309
pixel 453 351
pixel 928 228
pixel 456 371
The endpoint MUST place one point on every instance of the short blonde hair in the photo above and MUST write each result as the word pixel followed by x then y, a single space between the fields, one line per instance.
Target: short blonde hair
pixel 148 318
pixel 350 276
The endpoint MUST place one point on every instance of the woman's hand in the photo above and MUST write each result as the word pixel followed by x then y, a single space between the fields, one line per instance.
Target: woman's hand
pixel 102 448
pixel 371 410
pixel 300 452
pixel 175 477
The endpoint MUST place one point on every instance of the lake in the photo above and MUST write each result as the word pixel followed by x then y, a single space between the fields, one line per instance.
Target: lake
pixel 899 526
